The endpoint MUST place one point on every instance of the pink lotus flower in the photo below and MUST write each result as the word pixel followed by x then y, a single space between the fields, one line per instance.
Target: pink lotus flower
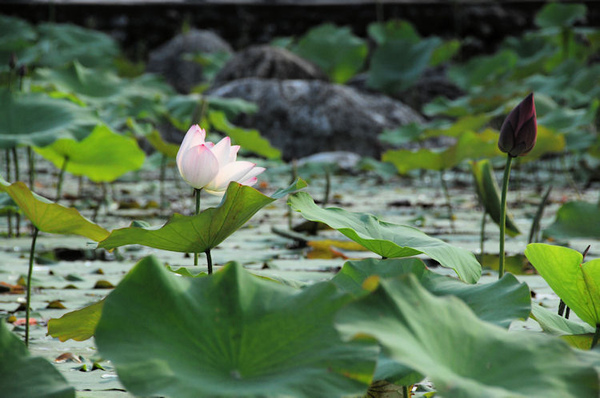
pixel 518 133
pixel 212 167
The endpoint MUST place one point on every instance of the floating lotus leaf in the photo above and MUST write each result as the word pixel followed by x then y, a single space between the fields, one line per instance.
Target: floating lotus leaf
pixel 51 217
pixel 441 338
pixel 387 239
pixel 103 156
pixel 575 219
pixel 202 232
pixel 499 302
pixel 24 376
pixel 577 284
pixel 38 120
pixel 227 335
pixel 78 325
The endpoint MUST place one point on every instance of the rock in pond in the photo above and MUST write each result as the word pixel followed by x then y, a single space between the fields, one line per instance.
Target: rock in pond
pixel 268 62
pixel 302 117
pixel 169 59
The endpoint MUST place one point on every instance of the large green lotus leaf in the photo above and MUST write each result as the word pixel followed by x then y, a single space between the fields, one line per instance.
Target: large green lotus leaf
pixel 444 52
pixel 204 231
pixel 103 156
pixel 489 194
pixel 398 63
pixel 558 15
pixel 60 44
pixel 387 239
pixel 460 126
pixel 86 82
pixel 500 302
pixel 470 145
pixel 23 376
pixel 576 334
pixel 575 219
pixel 38 120
pixel 406 160
pixel 336 50
pixel 51 217
pixel 250 140
pixel 577 284
pixel 548 141
pixel 16 36
pixel 229 335
pixel 463 356
pixel 482 70
pixel 78 325
pixel 393 29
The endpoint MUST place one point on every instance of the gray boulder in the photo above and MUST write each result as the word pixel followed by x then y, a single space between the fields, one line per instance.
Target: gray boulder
pixel 268 62
pixel 168 60
pixel 302 117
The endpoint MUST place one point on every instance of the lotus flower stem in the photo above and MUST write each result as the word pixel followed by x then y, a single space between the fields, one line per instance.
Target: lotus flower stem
pixel 482 235
pixel 327 188
pixel 535 225
pixel 209 261
pixel 596 336
pixel 8 213
pixel 27 308
pixel 509 159
pixel 31 162
pixel 405 392
pixel 163 171
pixel 197 193
pixel 290 214
pixel 61 176
pixel 17 176
pixel 448 202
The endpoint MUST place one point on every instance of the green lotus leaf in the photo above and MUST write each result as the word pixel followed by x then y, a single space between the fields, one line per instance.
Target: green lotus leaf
pixel 470 145
pixel 103 156
pixel 38 120
pixel 24 376
pixel 576 334
pixel 50 217
pixel 463 356
pixel 398 63
pixel 489 194
pixel 557 15
pixel 387 239
pixel 204 231
pixel 227 335
pixel 577 284
pixel 88 83
pixel 334 49
pixel 78 325
pixel 249 140
pixel 16 36
pixel 575 219
pixel 499 302
pixel 60 44
pixel 393 29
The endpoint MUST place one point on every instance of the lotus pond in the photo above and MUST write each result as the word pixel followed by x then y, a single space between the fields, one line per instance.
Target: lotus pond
pixel 464 270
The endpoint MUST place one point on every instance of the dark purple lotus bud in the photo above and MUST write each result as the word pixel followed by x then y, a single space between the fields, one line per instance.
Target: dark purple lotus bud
pixel 12 61
pixel 519 130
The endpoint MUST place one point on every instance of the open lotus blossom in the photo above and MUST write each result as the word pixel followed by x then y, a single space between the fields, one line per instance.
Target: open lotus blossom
pixel 211 167
pixel 518 133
